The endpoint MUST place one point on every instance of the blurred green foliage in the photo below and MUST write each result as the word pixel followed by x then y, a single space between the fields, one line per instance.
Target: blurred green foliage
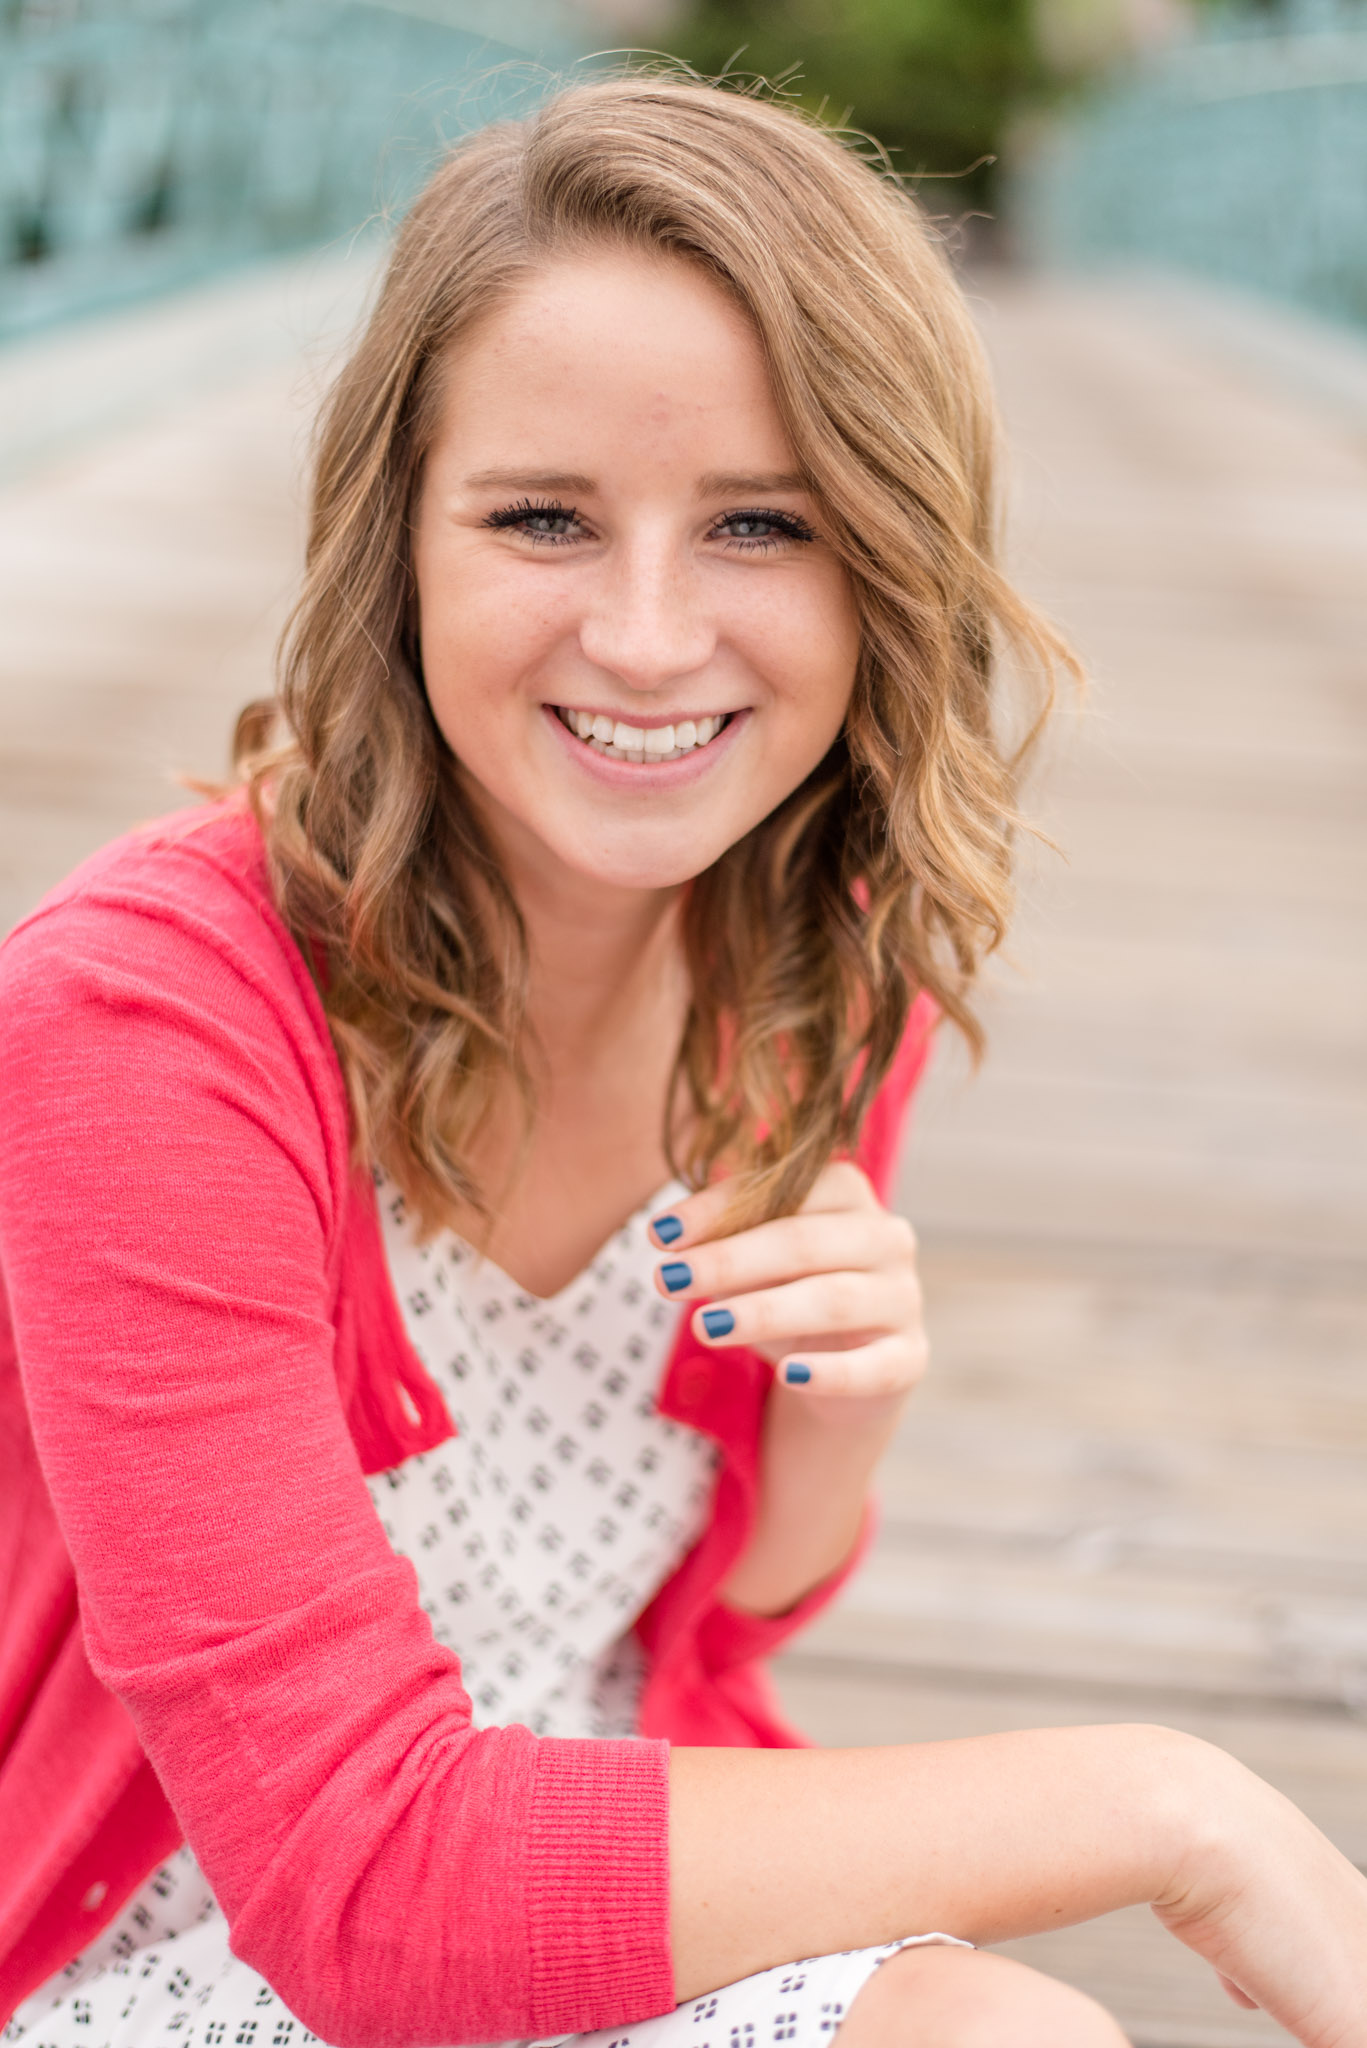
pixel 936 81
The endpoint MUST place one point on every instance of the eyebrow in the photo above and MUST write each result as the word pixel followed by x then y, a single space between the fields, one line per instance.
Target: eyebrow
pixel 725 484
pixel 716 484
pixel 529 480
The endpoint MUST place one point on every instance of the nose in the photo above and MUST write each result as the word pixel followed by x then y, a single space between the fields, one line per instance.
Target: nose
pixel 646 622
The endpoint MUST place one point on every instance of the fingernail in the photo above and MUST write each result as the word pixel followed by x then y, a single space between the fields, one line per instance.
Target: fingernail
pixel 667 1229
pixel 797 1374
pixel 676 1274
pixel 718 1322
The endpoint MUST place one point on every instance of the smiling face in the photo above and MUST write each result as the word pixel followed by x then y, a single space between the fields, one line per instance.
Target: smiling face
pixel 635 639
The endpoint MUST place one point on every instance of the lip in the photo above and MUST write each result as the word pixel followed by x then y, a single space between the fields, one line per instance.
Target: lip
pixel 619 717
pixel 625 775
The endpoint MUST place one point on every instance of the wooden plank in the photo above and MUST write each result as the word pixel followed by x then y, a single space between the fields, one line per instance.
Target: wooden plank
pixel 144 577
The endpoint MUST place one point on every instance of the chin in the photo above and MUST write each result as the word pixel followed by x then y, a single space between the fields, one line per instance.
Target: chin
pixel 632 867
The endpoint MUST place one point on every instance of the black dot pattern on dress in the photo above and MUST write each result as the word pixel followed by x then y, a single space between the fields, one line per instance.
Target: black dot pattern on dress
pixel 566 1499
pixel 187 1990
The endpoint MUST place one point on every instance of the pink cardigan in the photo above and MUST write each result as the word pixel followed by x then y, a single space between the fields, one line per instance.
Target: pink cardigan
pixel 205 1633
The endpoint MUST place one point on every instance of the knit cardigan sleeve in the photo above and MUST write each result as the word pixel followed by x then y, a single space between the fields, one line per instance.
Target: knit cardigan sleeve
pixel 174 1170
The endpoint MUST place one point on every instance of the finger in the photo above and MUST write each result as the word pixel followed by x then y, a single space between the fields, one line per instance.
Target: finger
pixel 868 1240
pixel 694 1218
pixel 1231 1989
pixel 841 1185
pixel 890 1365
pixel 811 1310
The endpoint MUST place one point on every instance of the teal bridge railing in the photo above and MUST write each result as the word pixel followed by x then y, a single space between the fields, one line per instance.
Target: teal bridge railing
pixel 1240 155
pixel 148 143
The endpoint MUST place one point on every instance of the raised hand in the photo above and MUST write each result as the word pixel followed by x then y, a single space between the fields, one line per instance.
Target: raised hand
pixel 830 1296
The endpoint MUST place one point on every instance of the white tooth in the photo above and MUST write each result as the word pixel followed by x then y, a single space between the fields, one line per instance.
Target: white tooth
pixel 660 739
pixel 601 728
pixel 686 735
pixel 626 736
pixel 705 730
pixel 575 721
pixel 636 754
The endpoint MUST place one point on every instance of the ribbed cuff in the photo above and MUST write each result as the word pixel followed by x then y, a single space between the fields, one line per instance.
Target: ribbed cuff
pixel 598 1885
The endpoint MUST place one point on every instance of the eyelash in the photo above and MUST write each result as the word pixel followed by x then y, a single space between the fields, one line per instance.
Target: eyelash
pixel 510 516
pixel 789 527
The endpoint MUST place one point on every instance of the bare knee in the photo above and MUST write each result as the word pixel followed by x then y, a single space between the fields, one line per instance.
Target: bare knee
pixel 962 1998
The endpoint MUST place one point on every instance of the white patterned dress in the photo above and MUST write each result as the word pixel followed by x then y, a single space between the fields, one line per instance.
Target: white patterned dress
pixel 538 1533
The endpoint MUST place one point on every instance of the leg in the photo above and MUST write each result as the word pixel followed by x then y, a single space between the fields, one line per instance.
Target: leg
pixel 962 1998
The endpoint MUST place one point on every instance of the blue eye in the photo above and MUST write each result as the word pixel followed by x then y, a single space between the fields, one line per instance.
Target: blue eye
pixel 547 523
pixel 762 529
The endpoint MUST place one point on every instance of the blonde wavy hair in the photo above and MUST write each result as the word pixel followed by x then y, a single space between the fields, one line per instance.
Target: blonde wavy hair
pixel 887 872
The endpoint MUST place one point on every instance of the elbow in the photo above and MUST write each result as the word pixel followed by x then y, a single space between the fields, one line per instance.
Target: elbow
pixel 327 1997
pixel 344 2007
pixel 359 1978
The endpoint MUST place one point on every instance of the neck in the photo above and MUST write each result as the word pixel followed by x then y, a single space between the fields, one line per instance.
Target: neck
pixel 606 962
pixel 607 1002
pixel 603 960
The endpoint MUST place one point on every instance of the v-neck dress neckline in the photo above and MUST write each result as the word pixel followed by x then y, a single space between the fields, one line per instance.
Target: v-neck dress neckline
pixel 566 1499
pixel 672 1191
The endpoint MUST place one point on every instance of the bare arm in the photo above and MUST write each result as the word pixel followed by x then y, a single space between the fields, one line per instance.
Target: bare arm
pixel 777 1855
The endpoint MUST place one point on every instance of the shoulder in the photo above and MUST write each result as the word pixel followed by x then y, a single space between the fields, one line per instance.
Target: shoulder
pixel 913 1052
pixel 201 869
pixel 161 971
pixel 883 1128
pixel 187 898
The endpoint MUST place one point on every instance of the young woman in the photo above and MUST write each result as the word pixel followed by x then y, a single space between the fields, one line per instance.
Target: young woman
pixel 635 806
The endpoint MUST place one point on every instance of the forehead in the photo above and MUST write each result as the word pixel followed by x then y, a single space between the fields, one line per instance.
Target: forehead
pixel 646 350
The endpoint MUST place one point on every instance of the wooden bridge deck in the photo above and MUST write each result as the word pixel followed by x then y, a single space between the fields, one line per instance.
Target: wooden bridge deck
pixel 1134 1485
pixel 1134 1488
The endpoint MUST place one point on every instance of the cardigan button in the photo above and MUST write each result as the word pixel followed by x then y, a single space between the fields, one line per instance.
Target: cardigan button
pixel 95 1897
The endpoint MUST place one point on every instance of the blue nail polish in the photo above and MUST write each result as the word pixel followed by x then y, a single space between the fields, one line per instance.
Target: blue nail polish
pixel 718 1322
pixel 797 1374
pixel 667 1229
pixel 676 1274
